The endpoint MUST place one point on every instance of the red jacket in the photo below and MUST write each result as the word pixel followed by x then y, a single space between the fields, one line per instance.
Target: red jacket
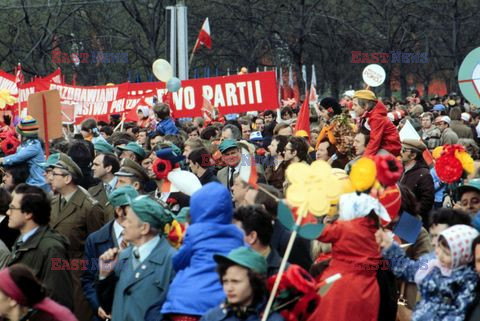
pixel 383 133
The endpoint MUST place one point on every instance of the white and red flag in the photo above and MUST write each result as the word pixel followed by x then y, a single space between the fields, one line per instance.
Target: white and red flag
pixel 204 37
pixel 19 79
pixel 313 92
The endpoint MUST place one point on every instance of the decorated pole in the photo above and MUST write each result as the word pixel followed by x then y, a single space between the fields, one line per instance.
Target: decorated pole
pixel 301 213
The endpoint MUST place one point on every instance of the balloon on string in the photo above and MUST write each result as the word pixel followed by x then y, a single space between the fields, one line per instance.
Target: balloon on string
pixel 162 70
pixel 174 84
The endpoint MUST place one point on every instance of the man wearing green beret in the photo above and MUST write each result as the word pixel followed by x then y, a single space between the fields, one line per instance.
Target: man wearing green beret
pixel 75 214
pixel 104 166
pixel 133 151
pixel 142 272
pixel 231 156
pixel 109 236
pixel 102 147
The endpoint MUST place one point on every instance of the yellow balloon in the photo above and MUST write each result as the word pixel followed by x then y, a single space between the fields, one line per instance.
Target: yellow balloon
pixel 363 174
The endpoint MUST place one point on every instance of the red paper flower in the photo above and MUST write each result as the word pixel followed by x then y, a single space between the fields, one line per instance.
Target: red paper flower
pixel 449 169
pixel 389 169
pixel 161 168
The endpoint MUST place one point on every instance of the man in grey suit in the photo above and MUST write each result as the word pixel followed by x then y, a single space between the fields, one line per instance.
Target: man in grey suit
pixel 231 155
pixel 142 272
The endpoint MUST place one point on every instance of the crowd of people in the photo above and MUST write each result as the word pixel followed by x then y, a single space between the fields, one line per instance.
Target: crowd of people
pixel 153 220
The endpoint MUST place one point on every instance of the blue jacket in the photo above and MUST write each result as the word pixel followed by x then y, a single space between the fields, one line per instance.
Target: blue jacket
pixel 97 243
pixel 196 287
pixel 222 313
pixel 438 185
pixel 444 298
pixel 140 293
pixel 167 127
pixel 30 152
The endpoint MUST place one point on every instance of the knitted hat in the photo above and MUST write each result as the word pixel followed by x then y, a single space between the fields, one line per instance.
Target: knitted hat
pixel 28 127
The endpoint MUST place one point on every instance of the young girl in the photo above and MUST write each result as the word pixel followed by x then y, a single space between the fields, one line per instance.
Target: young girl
pixel 23 298
pixel 446 282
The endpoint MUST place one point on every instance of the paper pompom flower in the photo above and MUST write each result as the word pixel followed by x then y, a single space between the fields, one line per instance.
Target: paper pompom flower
pixel 466 160
pixel 6 98
pixel 363 174
pixel 389 169
pixel 437 152
pixel 449 169
pixel 161 168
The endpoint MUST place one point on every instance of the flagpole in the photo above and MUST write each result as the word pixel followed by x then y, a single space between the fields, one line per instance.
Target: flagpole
pixel 193 52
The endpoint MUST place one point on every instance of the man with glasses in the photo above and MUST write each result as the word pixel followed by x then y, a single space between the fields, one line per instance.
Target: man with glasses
pixel 75 214
pixel 448 135
pixel 38 246
pixel 416 176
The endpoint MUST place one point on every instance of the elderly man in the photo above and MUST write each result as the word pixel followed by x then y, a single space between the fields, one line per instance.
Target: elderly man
pixel 417 176
pixel 448 135
pixel 142 272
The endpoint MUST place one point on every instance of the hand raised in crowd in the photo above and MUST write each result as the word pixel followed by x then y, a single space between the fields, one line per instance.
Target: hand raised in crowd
pixel 108 260
pixel 102 314
pixel 384 239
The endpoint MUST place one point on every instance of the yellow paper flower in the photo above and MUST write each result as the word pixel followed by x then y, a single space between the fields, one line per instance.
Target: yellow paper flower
pixel 466 160
pixel 363 174
pixel 312 188
pixel 437 152
pixel 6 98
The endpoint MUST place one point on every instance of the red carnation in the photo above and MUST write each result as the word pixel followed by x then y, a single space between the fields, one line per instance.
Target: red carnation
pixel 389 169
pixel 449 169
pixel 161 168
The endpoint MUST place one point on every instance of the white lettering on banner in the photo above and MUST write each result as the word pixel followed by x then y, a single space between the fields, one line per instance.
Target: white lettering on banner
pixel 24 93
pixel 8 84
pixel 258 90
pixel 250 92
pixel 231 96
pixel 241 91
pixel 117 106
pixel 189 96
pixel 207 92
pixel 99 108
pixel 86 94
pixel 219 99
pixel 177 99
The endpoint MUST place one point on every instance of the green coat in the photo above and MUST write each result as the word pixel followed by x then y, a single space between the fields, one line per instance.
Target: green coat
pixel 81 216
pixel 98 192
pixel 44 252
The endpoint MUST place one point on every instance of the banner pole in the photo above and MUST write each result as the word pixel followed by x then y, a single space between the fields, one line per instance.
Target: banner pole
pixel 45 125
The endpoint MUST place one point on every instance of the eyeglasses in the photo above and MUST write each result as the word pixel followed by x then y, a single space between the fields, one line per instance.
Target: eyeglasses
pixel 404 150
pixel 10 207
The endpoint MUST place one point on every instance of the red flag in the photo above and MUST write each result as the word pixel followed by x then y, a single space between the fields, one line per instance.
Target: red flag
pixel 303 120
pixel 248 169
pixel 19 79
pixel 204 37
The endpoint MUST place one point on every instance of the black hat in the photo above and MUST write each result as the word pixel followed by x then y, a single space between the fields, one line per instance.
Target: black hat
pixel 331 105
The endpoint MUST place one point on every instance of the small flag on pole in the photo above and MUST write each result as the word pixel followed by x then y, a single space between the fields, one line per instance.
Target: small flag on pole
pixel 248 169
pixel 19 79
pixel 313 85
pixel 204 37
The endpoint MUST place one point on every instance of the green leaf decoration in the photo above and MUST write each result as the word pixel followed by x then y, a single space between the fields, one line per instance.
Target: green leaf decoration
pixel 285 216
pixel 311 231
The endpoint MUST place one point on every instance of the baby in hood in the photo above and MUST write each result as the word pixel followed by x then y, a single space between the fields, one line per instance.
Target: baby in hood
pixel 446 280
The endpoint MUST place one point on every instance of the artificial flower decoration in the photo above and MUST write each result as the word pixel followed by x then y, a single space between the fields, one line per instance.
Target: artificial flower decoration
pixel 466 160
pixel 174 232
pixel 6 98
pixel 363 174
pixel 346 188
pixel 389 169
pixel 161 168
pixel 449 169
pixel 312 187
pixel 453 163
pixel 391 199
pixel 437 152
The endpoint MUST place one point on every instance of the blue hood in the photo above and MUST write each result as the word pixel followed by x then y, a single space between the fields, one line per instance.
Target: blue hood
pixel 211 204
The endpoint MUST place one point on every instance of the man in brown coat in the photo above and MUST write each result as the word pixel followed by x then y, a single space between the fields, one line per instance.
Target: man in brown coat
pixel 75 214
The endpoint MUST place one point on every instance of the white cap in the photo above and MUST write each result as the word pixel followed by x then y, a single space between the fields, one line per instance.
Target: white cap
pixel 349 93
pixel 445 119
pixel 255 136
pixel 465 116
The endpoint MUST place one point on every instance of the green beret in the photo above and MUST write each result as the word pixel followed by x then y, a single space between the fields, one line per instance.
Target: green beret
pixel 135 148
pixel 66 163
pixel 246 257
pixel 151 212
pixel 122 196
pixel 227 144
pixel 51 160
pixel 102 146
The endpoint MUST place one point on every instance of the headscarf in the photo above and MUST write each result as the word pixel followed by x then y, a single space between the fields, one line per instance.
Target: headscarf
pixel 145 111
pixel 10 288
pixel 355 205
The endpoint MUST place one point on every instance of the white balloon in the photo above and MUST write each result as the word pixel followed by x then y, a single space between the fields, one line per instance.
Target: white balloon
pixel 374 75
pixel 184 181
pixel 162 70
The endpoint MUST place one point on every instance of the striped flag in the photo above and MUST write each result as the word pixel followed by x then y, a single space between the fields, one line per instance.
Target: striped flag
pixel 313 91
pixel 248 169
pixel 19 79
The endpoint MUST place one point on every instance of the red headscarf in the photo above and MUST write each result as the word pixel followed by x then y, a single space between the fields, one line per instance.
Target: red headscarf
pixel 57 311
